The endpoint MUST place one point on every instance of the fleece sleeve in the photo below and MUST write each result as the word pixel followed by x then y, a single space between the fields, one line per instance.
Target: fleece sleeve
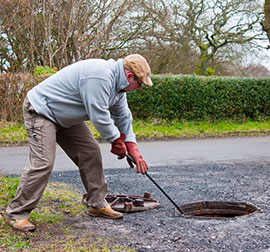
pixel 122 117
pixel 95 94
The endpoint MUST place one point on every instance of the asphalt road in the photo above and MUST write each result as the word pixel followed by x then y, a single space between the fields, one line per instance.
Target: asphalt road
pixel 158 153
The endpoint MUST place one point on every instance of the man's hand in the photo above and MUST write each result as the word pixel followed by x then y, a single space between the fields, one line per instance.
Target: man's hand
pixel 118 146
pixel 133 151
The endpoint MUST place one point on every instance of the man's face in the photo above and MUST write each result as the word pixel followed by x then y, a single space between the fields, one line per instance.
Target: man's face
pixel 134 83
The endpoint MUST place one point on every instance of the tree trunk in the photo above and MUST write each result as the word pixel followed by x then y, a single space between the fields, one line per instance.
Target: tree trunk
pixel 204 59
pixel 266 22
pixel 204 66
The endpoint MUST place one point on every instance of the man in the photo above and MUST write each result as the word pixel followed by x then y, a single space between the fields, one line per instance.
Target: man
pixel 54 112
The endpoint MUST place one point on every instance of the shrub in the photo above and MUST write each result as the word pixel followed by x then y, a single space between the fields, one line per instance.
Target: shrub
pixel 202 98
pixel 210 71
pixel 40 70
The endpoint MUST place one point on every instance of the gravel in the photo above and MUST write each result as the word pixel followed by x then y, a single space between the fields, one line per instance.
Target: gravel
pixel 162 230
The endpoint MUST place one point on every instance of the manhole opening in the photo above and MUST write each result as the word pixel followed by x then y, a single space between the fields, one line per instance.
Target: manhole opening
pixel 218 209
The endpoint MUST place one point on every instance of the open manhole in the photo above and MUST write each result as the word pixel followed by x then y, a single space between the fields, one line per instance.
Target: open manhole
pixel 218 209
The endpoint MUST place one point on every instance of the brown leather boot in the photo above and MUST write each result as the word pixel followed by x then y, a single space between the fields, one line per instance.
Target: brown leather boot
pixel 105 212
pixel 21 225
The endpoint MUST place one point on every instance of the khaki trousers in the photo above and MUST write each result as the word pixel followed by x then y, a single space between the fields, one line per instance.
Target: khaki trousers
pixel 77 142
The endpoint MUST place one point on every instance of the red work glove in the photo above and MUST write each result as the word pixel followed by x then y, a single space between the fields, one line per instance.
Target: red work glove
pixel 118 146
pixel 133 151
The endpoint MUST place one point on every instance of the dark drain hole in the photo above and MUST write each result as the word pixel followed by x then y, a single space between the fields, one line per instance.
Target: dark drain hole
pixel 218 209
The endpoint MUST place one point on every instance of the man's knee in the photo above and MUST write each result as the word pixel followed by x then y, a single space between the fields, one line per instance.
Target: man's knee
pixel 92 152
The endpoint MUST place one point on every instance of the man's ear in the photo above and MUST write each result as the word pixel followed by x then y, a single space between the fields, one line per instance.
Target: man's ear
pixel 129 74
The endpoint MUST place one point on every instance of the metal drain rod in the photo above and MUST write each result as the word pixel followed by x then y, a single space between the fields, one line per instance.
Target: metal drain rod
pixel 168 197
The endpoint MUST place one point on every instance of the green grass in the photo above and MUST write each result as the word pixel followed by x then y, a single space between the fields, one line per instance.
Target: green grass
pixel 59 208
pixel 191 129
pixel 13 133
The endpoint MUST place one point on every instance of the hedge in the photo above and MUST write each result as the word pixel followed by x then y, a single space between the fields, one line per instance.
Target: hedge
pixel 170 98
pixel 202 98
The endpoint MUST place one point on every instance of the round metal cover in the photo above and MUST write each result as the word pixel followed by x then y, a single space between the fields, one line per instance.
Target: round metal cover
pixel 131 203
pixel 218 209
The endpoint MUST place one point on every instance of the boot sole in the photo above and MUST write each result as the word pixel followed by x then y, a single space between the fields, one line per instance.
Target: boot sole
pixel 105 216
pixel 24 229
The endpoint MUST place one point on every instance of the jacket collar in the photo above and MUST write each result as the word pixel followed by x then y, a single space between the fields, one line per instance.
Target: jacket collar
pixel 120 79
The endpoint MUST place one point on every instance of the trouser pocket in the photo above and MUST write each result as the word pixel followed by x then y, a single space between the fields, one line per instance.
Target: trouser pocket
pixel 33 124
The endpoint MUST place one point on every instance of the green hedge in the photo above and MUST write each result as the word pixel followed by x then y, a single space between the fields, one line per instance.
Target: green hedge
pixel 170 98
pixel 200 98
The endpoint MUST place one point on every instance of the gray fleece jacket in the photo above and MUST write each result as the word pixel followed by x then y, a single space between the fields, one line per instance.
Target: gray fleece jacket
pixel 87 90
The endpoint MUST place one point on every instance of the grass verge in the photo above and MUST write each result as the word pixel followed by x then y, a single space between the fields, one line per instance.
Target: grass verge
pixel 13 133
pixel 58 210
pixel 197 129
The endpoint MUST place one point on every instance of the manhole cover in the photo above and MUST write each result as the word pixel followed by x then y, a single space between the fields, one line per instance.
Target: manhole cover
pixel 129 203
pixel 218 209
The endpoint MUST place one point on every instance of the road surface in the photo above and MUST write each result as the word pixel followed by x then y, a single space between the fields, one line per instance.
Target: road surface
pixel 158 153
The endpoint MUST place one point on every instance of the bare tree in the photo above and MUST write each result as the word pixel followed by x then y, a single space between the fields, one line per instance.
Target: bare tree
pixel 266 22
pixel 14 29
pixel 174 35
pixel 59 32
pixel 215 24
pixel 166 48
pixel 257 70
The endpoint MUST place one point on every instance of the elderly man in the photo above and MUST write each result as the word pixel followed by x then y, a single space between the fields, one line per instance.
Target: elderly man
pixel 54 112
